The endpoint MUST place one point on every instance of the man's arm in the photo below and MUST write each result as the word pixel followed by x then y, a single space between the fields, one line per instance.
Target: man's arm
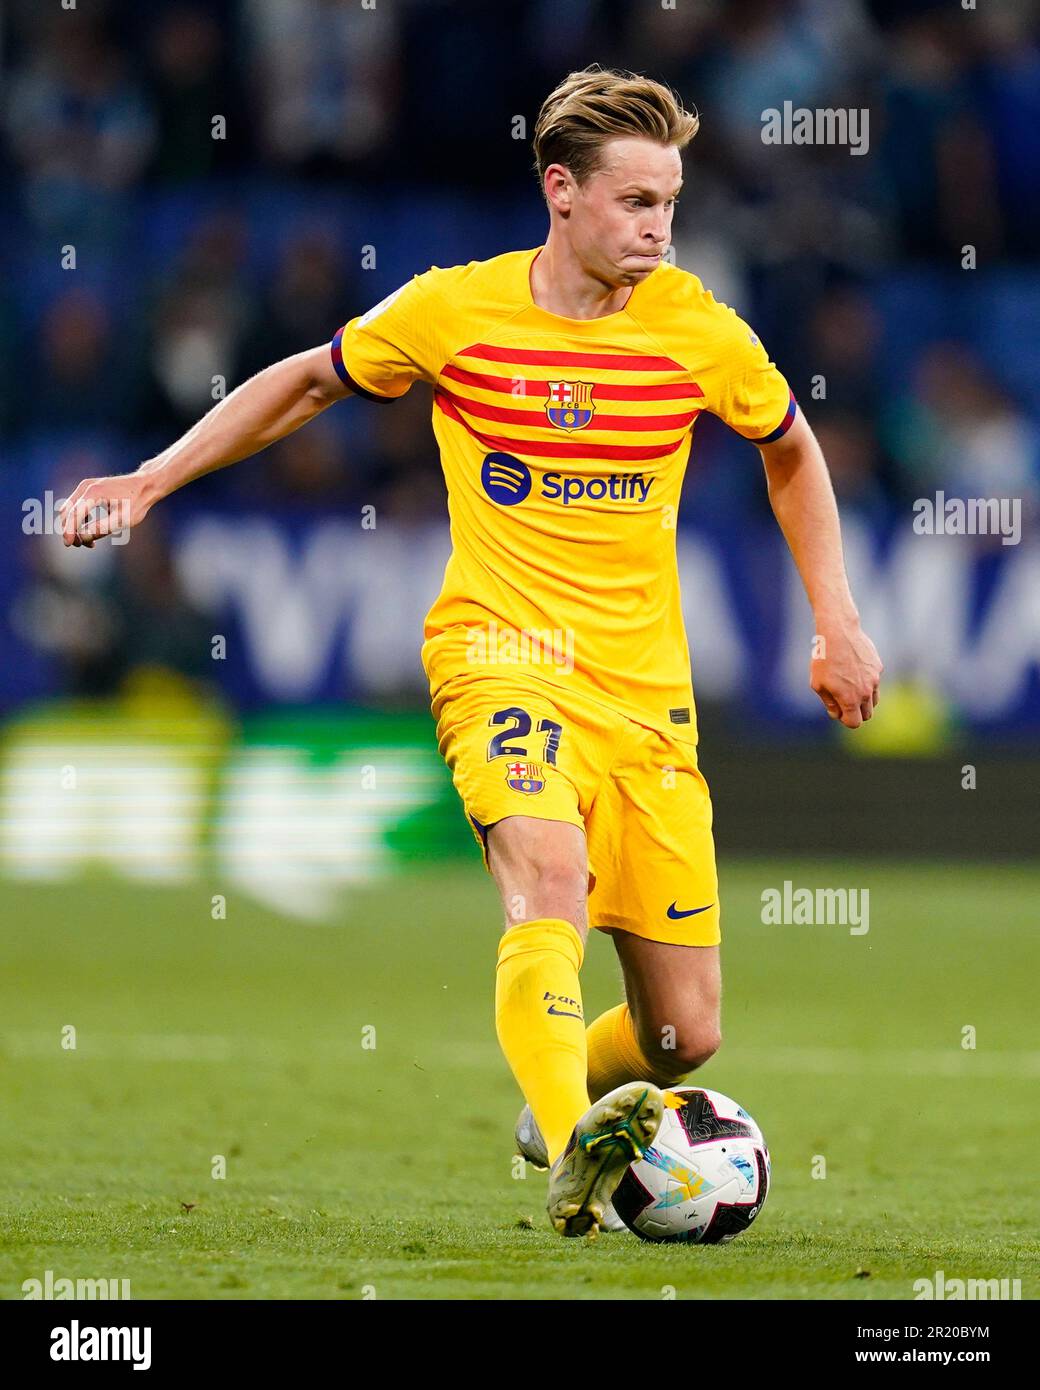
pixel 267 407
pixel 846 671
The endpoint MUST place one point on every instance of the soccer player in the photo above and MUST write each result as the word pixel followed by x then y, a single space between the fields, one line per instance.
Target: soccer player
pixel 567 381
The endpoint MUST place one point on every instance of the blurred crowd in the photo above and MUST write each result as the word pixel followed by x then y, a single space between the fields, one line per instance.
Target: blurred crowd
pixel 197 188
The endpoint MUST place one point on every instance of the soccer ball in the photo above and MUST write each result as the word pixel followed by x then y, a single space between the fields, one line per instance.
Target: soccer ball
pixel 704 1178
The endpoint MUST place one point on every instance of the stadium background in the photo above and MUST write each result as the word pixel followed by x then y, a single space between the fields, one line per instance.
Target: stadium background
pixel 232 704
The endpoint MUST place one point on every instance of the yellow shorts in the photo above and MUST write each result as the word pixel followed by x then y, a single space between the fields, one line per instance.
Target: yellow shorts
pixel 518 746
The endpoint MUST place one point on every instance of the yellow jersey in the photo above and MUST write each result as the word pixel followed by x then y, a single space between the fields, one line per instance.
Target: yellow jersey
pixel 564 443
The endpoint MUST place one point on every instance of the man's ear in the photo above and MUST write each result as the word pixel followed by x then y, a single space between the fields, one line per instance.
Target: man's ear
pixel 558 180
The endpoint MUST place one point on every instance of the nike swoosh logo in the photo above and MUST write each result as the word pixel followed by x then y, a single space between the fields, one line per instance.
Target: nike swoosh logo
pixel 561 1013
pixel 675 914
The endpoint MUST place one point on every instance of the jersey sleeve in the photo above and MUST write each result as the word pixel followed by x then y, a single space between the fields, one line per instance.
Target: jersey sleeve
pixel 380 353
pixel 753 397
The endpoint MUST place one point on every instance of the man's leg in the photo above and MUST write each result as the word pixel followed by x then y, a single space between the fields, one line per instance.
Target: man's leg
pixel 670 1022
pixel 541 871
pixel 540 865
pixel 651 847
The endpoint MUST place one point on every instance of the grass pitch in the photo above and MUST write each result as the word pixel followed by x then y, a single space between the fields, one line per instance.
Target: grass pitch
pixel 386 1170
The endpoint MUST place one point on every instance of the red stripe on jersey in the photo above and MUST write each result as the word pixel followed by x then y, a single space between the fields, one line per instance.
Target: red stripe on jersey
pixel 537 419
pixel 442 401
pixel 605 390
pixel 535 357
pixel 571 448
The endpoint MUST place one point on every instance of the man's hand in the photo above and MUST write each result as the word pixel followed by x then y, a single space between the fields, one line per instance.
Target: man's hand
pixel 845 670
pixel 119 503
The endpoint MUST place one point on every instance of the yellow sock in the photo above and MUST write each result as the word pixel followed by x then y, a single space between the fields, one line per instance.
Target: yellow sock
pixel 616 1057
pixel 539 1021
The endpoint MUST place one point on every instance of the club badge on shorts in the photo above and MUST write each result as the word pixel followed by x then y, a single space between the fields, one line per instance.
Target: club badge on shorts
pixel 525 777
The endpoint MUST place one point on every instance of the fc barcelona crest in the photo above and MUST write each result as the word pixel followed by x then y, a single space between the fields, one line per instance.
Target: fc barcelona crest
pixel 570 405
pixel 525 777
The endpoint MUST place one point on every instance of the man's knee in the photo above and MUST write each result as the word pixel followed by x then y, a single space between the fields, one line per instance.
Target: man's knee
pixel 676 1049
pixel 560 876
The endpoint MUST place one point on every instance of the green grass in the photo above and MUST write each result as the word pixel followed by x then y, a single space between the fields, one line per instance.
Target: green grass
pixel 391 1167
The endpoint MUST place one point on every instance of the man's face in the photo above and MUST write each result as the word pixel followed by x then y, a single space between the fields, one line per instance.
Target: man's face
pixel 620 222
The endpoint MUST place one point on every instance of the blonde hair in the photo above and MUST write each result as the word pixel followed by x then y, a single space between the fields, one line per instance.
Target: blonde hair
pixel 595 105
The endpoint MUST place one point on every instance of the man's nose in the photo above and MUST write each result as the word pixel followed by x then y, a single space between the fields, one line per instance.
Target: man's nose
pixel 657 230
